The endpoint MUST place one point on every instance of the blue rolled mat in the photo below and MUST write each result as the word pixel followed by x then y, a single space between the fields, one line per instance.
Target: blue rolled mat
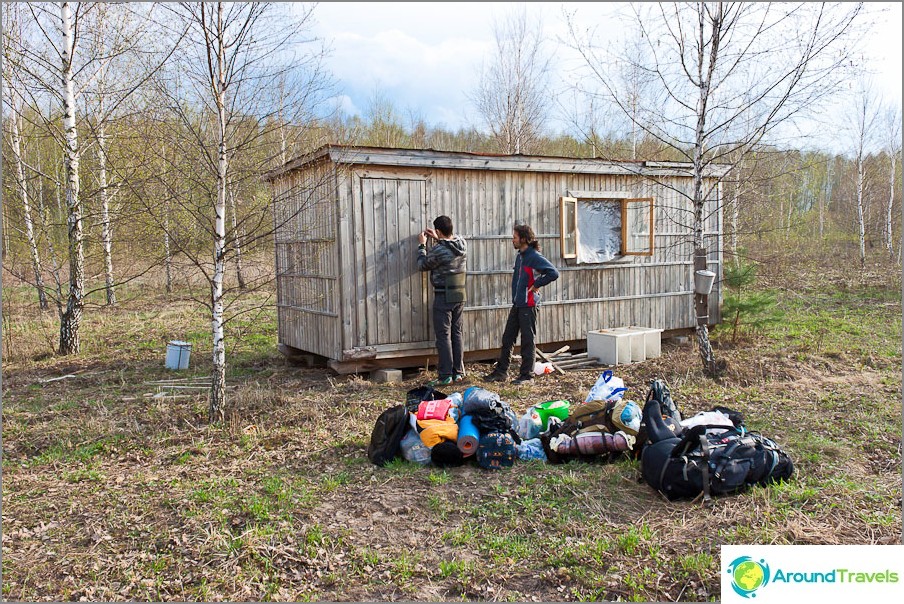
pixel 468 436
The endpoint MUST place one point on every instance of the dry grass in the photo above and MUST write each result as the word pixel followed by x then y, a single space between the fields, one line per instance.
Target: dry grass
pixel 109 494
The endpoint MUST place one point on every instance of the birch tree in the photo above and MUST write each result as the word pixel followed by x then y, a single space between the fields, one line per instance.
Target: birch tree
pixel 71 318
pixel 728 75
pixel 892 144
pixel 862 124
pixel 225 96
pixel 16 106
pixel 57 74
pixel 512 95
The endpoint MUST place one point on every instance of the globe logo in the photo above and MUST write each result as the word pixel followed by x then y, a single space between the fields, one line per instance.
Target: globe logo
pixel 748 575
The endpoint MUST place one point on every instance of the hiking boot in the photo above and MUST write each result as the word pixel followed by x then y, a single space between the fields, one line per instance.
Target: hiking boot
pixel 523 379
pixel 443 381
pixel 494 377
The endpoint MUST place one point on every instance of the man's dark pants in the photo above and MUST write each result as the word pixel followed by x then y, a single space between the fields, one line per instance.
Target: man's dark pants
pixel 521 320
pixel 449 346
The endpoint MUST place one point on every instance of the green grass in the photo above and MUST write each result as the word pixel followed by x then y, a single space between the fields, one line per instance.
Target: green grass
pixel 280 502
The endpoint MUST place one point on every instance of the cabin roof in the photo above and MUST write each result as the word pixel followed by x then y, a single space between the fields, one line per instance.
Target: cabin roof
pixel 429 158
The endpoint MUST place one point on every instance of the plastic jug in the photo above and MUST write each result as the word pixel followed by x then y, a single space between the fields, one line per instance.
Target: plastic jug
pixel 540 368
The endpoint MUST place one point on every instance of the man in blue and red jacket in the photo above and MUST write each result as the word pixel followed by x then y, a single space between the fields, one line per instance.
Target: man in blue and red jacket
pixel 532 271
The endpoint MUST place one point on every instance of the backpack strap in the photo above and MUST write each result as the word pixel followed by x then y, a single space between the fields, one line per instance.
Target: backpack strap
pixel 704 446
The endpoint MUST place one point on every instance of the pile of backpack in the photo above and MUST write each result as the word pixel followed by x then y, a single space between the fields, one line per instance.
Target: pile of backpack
pixel 447 430
pixel 711 453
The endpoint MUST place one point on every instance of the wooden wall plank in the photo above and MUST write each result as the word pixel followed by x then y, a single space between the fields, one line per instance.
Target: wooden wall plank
pixel 373 221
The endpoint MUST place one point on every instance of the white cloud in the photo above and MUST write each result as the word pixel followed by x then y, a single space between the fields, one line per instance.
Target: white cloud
pixel 425 56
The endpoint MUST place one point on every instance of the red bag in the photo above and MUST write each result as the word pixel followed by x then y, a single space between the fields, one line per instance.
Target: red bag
pixel 434 409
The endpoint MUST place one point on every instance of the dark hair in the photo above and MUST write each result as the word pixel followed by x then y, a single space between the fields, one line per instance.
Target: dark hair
pixel 526 234
pixel 443 224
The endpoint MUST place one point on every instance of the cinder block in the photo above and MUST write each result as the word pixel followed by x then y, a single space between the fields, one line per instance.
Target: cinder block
pixel 381 376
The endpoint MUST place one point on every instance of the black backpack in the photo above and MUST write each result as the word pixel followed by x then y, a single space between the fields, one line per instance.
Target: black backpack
pixel 387 435
pixel 712 460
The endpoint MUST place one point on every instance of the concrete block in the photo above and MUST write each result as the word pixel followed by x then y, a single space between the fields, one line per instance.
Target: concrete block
pixel 382 376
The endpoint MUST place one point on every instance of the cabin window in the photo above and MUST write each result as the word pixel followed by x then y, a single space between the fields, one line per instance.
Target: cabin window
pixel 599 229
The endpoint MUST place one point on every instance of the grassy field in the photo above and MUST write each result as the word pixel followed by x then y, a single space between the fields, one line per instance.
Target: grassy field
pixel 114 489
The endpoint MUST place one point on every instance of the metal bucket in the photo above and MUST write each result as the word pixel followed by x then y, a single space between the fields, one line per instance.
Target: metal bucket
pixel 703 282
pixel 177 354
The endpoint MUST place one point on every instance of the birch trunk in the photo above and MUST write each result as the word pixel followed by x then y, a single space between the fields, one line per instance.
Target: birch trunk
pixel 26 210
pixel 824 200
pixel 106 226
pixel 860 223
pixel 705 67
pixel 217 411
pixel 893 157
pixel 237 240
pixel 71 318
pixel 790 214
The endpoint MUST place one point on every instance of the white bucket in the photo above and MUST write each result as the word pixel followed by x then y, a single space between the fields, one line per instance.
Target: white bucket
pixel 177 354
pixel 703 282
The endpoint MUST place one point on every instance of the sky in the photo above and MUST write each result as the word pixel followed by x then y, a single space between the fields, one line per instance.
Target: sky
pixel 425 57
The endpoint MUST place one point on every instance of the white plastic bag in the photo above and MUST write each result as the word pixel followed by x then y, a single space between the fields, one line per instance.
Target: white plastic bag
pixel 607 388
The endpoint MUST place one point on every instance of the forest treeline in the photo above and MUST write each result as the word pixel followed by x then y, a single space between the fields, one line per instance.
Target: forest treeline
pixel 780 194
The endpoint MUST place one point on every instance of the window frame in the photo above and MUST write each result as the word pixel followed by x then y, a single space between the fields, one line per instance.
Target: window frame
pixel 564 201
pixel 624 225
pixel 574 198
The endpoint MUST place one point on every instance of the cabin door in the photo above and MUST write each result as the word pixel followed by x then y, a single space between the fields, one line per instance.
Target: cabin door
pixel 395 292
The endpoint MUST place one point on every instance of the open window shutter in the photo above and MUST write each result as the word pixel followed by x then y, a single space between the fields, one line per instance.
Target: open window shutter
pixel 568 226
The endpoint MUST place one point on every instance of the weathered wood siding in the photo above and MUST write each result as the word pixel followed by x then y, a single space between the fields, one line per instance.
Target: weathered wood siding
pixel 308 260
pixel 348 277
pixel 394 298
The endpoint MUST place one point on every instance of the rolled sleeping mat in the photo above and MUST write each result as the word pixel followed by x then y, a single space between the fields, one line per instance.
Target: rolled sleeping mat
pixel 468 435
pixel 593 443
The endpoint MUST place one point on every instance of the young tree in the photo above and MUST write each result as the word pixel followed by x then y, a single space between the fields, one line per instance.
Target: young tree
pixel 16 107
pixel 892 144
pixel 226 94
pixel 862 125
pixel 513 96
pixel 727 75
pixel 58 72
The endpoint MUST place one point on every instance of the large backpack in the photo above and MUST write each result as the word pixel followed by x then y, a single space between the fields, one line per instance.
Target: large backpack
pixel 387 435
pixel 713 460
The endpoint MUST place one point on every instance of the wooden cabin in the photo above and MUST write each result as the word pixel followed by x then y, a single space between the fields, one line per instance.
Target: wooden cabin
pixel 347 220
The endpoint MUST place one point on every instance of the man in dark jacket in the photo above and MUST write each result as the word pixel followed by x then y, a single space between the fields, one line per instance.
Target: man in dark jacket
pixel 446 263
pixel 532 271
